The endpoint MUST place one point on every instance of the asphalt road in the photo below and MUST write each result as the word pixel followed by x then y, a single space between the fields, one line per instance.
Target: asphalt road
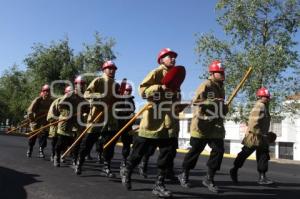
pixel 35 178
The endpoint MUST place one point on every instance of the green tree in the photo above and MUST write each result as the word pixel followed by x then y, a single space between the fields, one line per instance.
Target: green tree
pixel 45 64
pixel 14 97
pixel 48 63
pixel 94 55
pixel 261 34
pixel 58 61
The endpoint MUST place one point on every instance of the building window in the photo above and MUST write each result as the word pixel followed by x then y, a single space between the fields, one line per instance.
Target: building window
pixel 272 150
pixel 189 121
pixel 227 146
pixel 286 150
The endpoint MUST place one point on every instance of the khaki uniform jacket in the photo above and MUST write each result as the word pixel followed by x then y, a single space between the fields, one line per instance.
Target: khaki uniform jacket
pixel 39 107
pixel 206 122
pixel 158 122
pixel 71 107
pixel 52 116
pixel 258 125
pixel 102 90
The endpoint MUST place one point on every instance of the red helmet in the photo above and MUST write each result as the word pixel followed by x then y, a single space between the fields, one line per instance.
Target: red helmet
pixel 79 80
pixel 263 92
pixel 109 64
pixel 46 87
pixel 128 87
pixel 68 89
pixel 216 66
pixel 164 52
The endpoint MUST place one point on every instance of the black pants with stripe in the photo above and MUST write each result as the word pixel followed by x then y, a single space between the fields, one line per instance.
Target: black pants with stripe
pixel 141 147
pixel 198 144
pixel 262 157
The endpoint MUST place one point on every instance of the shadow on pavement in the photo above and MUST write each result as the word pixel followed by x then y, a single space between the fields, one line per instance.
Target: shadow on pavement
pixel 12 183
pixel 277 191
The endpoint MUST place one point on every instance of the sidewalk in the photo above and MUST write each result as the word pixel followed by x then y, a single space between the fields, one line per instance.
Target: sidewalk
pixel 227 155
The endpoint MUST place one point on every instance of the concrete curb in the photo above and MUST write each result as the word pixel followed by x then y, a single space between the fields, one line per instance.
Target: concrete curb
pixel 227 155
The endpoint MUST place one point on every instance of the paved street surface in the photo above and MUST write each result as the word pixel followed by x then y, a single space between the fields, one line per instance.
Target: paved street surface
pixel 35 178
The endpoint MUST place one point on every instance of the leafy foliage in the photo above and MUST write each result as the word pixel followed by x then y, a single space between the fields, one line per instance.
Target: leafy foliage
pixel 45 64
pixel 260 34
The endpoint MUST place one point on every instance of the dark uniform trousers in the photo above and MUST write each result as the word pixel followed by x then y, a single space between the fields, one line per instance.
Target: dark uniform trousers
pixel 42 140
pixel 150 151
pixel 262 157
pixel 108 153
pixel 63 142
pixel 53 144
pixel 174 152
pixel 86 145
pixel 105 137
pixel 141 147
pixel 126 139
pixel 75 151
pixel 90 139
pixel 99 145
pixel 198 145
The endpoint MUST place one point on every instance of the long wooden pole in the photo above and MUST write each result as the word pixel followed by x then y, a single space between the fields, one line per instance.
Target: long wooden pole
pixel 82 134
pixel 34 132
pixel 26 123
pixel 119 133
pixel 50 124
pixel 239 86
pixel 38 131
pixel 14 129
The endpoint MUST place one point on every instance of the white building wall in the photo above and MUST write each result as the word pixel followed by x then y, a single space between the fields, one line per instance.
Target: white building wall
pixel 235 132
pixel 289 132
pixel 297 144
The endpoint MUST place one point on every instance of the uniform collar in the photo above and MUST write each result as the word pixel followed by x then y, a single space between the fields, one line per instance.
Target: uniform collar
pixel 164 67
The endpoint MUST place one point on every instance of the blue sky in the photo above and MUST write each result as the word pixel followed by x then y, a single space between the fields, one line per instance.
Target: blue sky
pixel 141 29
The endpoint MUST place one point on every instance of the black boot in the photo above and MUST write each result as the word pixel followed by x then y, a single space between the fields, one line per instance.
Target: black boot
pixel 143 169
pixel 88 157
pixel 77 167
pixel 100 158
pixel 107 171
pixel 41 153
pixel 77 170
pixel 234 175
pixel 184 179
pixel 29 152
pixel 51 158
pixel 208 181
pixel 52 154
pixel 74 162
pixel 123 163
pixel 263 180
pixel 56 161
pixel 63 160
pixel 160 189
pixel 126 178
